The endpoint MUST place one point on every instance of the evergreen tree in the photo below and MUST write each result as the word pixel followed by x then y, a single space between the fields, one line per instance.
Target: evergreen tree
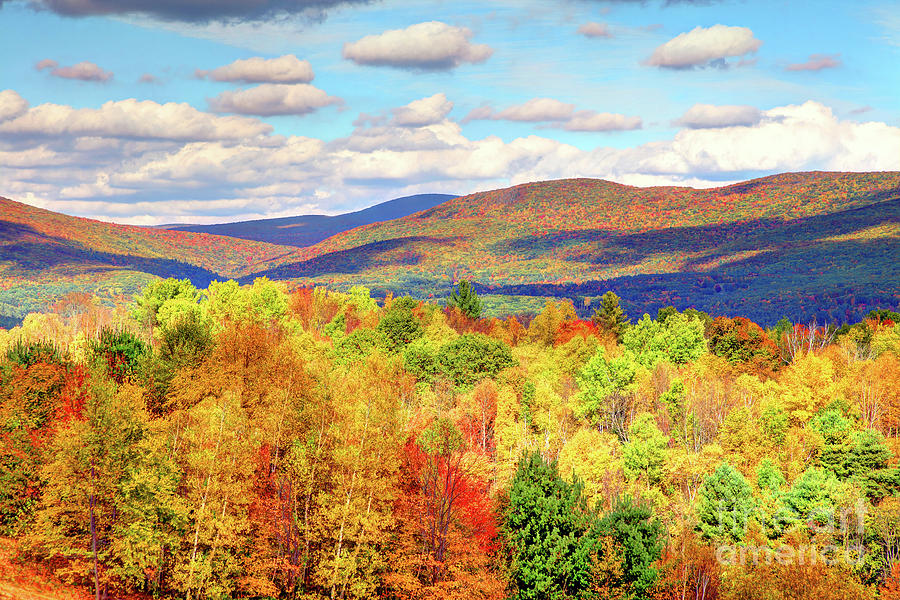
pixel 638 537
pixel 726 504
pixel 551 533
pixel 610 315
pixel 466 300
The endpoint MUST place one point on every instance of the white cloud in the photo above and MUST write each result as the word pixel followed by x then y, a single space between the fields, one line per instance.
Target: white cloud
pixel 426 111
pixel 427 46
pixel 537 109
pixel 132 119
pixel 704 116
pixel 83 71
pixel 595 30
pixel 284 69
pixel 11 105
pixel 562 114
pixel 588 120
pixel 271 99
pixel 704 45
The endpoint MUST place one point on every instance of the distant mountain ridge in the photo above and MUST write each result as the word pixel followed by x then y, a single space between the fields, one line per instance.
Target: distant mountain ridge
pixel 798 244
pixel 802 245
pixel 307 230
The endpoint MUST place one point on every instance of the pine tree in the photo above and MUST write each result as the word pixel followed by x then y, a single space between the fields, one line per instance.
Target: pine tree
pixel 466 300
pixel 552 534
pixel 610 315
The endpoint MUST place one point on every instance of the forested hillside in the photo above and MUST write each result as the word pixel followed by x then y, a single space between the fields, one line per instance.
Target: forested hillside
pixel 47 255
pixel 802 245
pixel 805 245
pixel 261 442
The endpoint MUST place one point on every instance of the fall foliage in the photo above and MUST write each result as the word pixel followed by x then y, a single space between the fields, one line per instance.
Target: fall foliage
pixel 259 442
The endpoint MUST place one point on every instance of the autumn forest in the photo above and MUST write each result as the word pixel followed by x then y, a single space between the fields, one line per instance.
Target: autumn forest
pixel 259 442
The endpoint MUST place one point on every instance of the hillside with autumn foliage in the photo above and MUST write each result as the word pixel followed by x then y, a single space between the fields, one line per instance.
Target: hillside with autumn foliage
pixel 46 255
pixel 802 245
pixel 260 442
pixel 798 244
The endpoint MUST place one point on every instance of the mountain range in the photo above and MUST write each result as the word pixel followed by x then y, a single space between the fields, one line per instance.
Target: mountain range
pixel 307 230
pixel 804 245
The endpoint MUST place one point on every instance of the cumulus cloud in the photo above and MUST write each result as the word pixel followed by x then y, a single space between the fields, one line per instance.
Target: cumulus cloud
pixel 83 71
pixel 11 105
pixel 588 120
pixel 706 116
pixel 195 11
pixel 703 46
pixel 284 69
pixel 817 62
pixel 426 111
pixel 132 119
pixel 595 30
pixel 430 46
pixel 271 99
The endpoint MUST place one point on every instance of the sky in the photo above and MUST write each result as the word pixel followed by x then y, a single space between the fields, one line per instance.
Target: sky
pixel 207 111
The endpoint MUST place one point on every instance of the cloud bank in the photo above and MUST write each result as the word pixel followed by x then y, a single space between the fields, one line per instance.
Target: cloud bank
pixel 194 11
pixel 419 113
pixel 708 116
pixel 558 114
pixel 144 162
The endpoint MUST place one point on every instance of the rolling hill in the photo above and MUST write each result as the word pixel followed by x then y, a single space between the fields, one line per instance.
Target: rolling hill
pixel 45 255
pixel 804 245
pixel 307 230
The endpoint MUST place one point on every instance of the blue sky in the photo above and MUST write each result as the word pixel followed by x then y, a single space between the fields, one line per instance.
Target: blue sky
pixel 503 92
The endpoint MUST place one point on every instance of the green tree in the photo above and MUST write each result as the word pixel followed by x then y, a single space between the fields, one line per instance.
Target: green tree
pixel 610 316
pixel 551 532
pixel 466 300
pixel 770 482
pixel 645 452
pixel 472 357
pixel 638 539
pixel 678 340
pixel 725 505
pixel 120 351
pixel 605 385
pixel 161 292
pixel 400 326
pixel 812 497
